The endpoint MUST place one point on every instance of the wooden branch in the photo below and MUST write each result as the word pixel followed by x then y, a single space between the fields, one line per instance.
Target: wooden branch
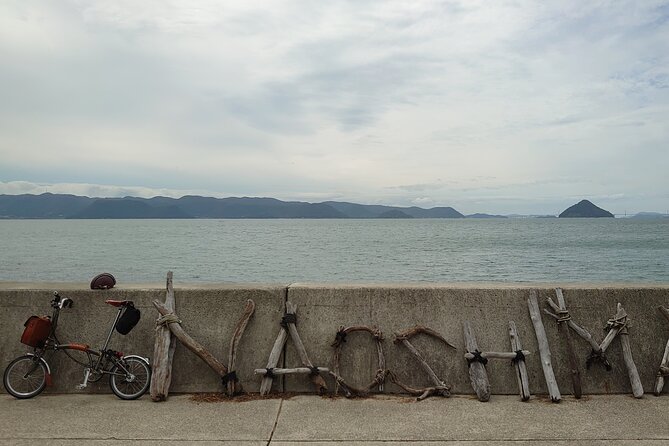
pixel 544 349
pixel 317 380
pixel 477 372
pixel 521 368
pixel 664 364
pixel 273 360
pixel 582 332
pixel 163 351
pixel 497 355
pixel 632 372
pixel 433 376
pixel 664 311
pixel 293 371
pixel 413 331
pixel 191 344
pixel 563 327
pixel 420 393
pixel 340 338
pixel 234 386
pixel 614 329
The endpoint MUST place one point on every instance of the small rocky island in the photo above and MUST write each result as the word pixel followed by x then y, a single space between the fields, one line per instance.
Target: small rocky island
pixel 585 209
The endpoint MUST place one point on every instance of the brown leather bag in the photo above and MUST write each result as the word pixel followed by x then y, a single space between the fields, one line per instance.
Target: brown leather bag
pixel 37 331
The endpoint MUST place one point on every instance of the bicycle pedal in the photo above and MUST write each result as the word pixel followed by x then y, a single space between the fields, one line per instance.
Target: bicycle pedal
pixel 81 386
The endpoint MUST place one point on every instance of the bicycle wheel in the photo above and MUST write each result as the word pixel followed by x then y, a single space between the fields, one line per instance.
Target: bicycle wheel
pixel 133 382
pixel 25 377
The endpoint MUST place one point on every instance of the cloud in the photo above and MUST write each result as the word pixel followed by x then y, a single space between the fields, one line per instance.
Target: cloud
pixel 388 102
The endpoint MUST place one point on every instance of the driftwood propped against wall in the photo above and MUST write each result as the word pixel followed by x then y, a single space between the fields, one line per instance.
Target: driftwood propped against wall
pixel 163 351
pixel 476 361
pixel 440 388
pixel 563 318
pixel 380 376
pixel 544 349
pixel 288 327
pixel 229 379
pixel 663 371
pixel 618 326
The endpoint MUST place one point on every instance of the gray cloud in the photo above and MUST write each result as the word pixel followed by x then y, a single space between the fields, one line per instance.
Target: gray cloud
pixel 444 102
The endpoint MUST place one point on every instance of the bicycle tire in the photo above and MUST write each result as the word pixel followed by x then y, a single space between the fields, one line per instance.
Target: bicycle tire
pixel 130 389
pixel 21 386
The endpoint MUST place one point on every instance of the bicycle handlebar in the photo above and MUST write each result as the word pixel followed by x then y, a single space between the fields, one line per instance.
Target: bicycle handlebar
pixel 61 303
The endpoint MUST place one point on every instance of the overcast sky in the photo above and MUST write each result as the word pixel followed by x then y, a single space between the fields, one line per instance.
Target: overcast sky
pixel 486 106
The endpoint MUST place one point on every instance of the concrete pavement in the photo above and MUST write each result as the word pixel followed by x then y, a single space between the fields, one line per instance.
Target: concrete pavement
pixel 312 420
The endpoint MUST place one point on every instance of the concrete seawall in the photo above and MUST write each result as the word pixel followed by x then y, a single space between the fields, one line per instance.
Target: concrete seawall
pixel 210 312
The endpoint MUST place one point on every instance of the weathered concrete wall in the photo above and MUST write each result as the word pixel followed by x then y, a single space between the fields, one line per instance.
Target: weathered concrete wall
pixel 210 313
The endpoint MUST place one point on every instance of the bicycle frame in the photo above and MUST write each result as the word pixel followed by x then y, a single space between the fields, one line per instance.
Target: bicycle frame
pixel 52 343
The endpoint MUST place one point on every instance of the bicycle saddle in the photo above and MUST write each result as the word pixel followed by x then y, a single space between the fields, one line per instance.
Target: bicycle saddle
pixel 118 303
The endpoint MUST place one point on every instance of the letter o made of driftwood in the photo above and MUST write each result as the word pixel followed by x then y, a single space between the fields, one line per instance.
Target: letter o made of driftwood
pixel 340 339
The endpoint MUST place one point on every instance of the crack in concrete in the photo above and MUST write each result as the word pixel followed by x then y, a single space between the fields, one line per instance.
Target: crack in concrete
pixel 276 423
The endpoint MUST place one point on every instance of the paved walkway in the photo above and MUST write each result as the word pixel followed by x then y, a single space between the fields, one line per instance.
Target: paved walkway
pixel 311 420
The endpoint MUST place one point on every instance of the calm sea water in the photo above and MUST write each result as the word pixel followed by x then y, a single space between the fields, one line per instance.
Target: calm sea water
pixel 284 251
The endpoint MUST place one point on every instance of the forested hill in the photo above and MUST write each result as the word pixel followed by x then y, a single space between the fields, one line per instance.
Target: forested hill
pixel 49 205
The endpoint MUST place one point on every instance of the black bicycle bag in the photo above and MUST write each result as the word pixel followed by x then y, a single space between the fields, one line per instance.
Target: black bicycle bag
pixel 128 319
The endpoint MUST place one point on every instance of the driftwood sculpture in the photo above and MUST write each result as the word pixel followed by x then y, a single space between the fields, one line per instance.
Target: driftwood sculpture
pixel 544 349
pixel 170 320
pixel 596 354
pixel 440 388
pixel 519 363
pixel 163 351
pixel 174 324
pixel 476 361
pixel 288 327
pixel 618 327
pixel 230 380
pixel 563 326
pixel 663 371
pixel 379 378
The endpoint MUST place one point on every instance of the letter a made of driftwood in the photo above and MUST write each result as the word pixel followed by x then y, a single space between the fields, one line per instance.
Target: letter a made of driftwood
pixel 288 327
pixel 163 351
pixel 379 378
pixel 618 326
pixel 440 388
pixel 544 349
pixel 664 365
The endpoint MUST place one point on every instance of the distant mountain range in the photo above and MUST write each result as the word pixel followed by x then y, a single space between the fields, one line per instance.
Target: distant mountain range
pixel 50 205
pixel 71 206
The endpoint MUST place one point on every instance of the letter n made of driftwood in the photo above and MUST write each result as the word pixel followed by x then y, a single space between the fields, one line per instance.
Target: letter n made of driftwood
pixel 439 387
pixel 288 327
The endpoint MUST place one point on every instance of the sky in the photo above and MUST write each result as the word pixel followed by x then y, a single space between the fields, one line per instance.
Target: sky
pixel 500 107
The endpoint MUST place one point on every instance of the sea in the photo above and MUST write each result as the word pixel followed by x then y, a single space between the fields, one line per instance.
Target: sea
pixel 546 250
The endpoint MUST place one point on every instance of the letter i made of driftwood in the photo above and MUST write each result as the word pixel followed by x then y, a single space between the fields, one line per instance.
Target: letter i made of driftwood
pixel 544 349
pixel 288 327
pixel 663 371
pixel 230 380
pixel 440 388
pixel 476 361
pixel 379 378
pixel 163 351
pixel 618 326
